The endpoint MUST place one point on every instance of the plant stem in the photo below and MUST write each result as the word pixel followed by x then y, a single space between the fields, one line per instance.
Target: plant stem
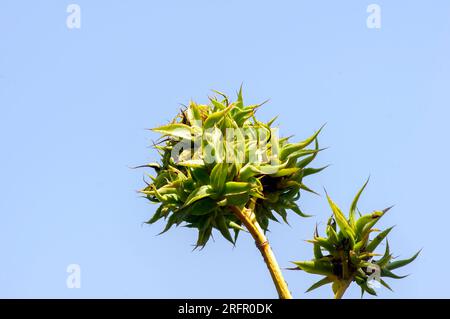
pixel 343 288
pixel 247 217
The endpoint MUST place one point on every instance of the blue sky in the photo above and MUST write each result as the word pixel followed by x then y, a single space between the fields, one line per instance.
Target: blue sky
pixel 75 105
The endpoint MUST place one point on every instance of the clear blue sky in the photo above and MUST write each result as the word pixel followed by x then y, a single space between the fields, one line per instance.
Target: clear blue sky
pixel 75 103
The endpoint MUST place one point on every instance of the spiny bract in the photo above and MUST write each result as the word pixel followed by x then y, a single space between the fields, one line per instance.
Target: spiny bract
pixel 202 173
pixel 346 254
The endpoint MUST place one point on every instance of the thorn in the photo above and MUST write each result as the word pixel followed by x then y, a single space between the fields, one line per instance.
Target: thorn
pixel 140 166
pixel 262 103
pixel 387 209
pixel 316 232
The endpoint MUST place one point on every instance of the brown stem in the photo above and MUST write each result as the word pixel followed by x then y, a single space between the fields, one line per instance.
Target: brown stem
pixel 247 217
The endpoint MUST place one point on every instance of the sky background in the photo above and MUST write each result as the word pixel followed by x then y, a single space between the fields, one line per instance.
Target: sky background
pixel 75 105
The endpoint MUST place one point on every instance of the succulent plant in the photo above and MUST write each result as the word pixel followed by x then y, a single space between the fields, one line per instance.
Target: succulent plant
pixel 347 253
pixel 223 169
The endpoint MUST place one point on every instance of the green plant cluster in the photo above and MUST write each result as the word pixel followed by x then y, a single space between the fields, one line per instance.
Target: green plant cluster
pixel 347 253
pixel 223 169
pixel 197 187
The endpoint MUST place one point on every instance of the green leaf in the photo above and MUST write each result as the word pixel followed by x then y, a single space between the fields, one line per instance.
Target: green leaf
pixel 340 219
pixel 387 273
pixel 236 188
pixel 178 130
pixel 243 115
pixel 215 117
pixel 320 283
pixel 355 203
pixel 225 97
pixel 315 267
pixel 386 257
pixel 202 207
pixel 195 163
pixel 332 235
pixel 240 100
pixel 219 177
pixel 237 200
pixel 294 207
pixel 368 289
pixel 285 172
pixel 203 234
pixel 378 239
pixel 282 212
pixel 193 114
pixel 317 251
pixel 199 193
pixel 158 215
pixel 294 156
pixel 291 148
pixel 247 171
pixel 385 284
pixel 323 242
pixel 236 226
pixel 309 171
pixel 173 219
pixel 369 226
pixel 200 174
pixel 367 220
pixel 272 121
pixel 306 161
pixel 250 170
pixel 223 227
pixel 218 105
pixel 306 188
pixel 401 263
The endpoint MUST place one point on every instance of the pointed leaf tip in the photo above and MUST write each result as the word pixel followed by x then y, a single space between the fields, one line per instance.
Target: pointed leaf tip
pixel 403 262
pixel 387 209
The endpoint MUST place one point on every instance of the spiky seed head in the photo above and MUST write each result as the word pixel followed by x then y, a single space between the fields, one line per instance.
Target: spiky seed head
pixel 347 253
pixel 218 155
